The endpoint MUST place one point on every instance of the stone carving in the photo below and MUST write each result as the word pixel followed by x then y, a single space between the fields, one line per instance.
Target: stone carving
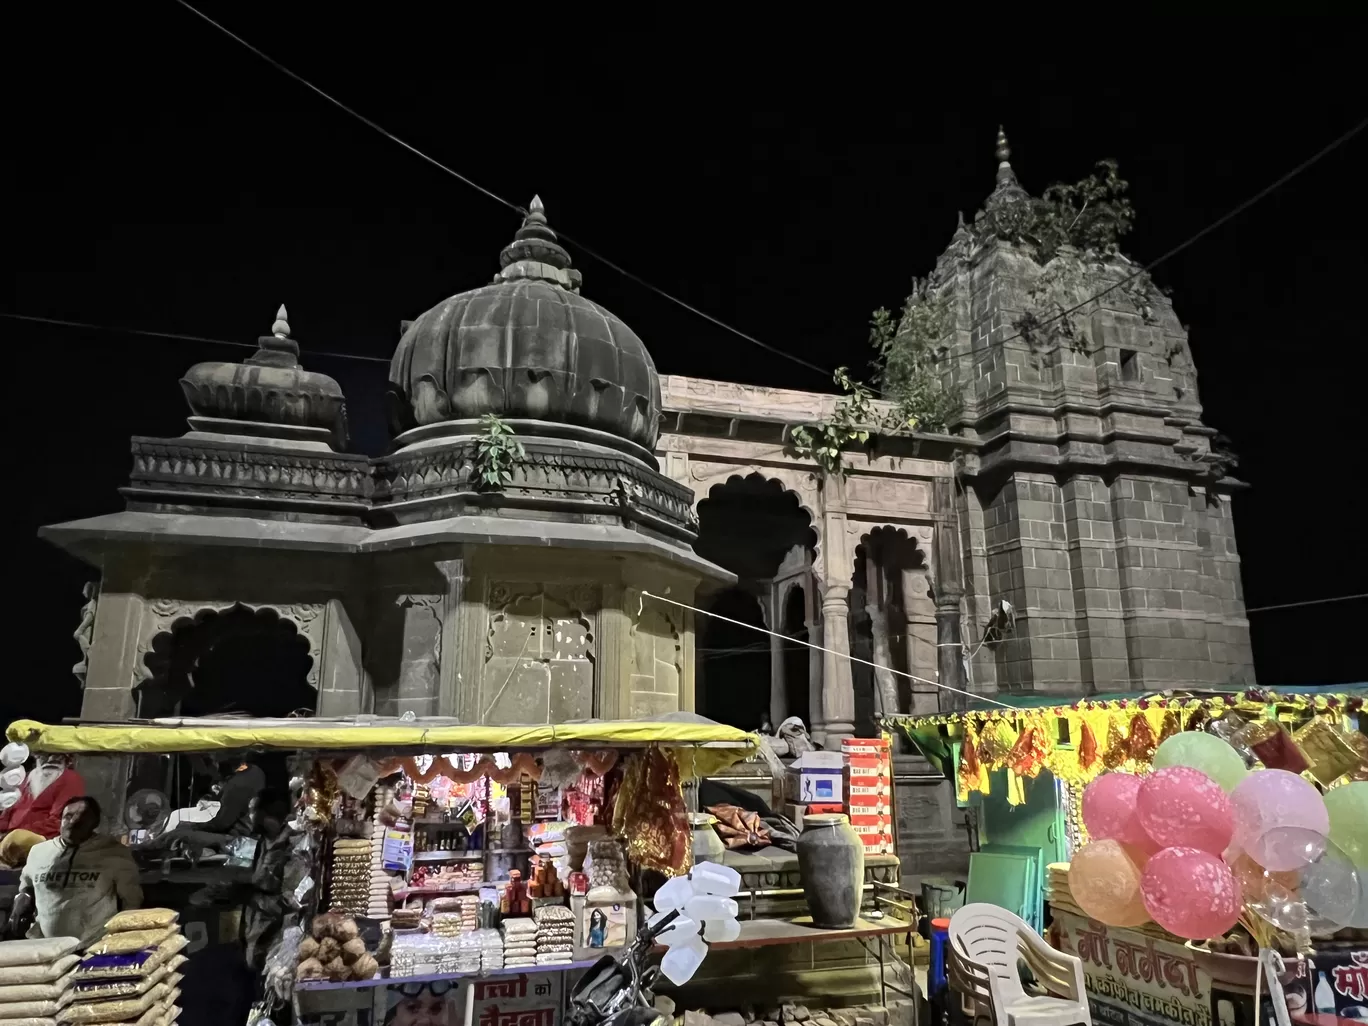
pixel 548 473
pixel 162 615
pixel 539 654
pixel 85 631
pixel 167 469
pixel 657 654
pixel 432 604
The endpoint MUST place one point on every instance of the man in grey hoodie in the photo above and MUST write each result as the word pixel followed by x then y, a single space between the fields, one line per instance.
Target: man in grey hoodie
pixel 78 880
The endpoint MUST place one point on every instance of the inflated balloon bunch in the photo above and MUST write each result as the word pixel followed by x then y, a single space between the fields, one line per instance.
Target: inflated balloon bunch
pixel 12 759
pixel 707 909
pixel 1202 837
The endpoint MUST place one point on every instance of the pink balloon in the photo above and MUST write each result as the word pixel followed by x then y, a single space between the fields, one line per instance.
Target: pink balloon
pixel 1109 811
pixel 1191 893
pixel 1179 805
pixel 1280 819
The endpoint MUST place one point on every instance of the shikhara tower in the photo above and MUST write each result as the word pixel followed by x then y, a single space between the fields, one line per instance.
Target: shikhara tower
pixel 1095 501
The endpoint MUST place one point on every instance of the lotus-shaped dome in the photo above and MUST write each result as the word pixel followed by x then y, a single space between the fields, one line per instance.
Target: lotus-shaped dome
pixel 528 347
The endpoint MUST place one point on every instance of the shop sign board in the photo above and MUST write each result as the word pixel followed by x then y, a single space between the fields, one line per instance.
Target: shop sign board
pixel 513 999
pixel 1134 979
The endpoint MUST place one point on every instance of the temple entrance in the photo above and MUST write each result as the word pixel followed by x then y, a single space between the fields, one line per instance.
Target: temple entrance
pixel 892 624
pixel 240 661
pixel 755 528
pixel 234 662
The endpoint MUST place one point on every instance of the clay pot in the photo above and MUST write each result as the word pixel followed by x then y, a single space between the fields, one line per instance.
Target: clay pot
pixel 831 859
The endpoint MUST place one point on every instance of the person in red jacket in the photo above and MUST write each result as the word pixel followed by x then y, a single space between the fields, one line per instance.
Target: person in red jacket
pixel 37 816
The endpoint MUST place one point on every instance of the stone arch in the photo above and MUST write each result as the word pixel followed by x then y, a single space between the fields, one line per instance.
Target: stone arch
pixel 161 616
pixel 217 657
pixel 752 497
pixel 705 478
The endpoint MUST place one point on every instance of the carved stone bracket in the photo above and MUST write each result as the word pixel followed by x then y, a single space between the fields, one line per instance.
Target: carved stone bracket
pixel 85 630
pixel 161 615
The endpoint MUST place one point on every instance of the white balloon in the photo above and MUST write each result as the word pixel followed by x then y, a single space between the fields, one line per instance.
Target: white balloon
pixel 11 778
pixel 15 753
pixel 8 800
pixel 683 960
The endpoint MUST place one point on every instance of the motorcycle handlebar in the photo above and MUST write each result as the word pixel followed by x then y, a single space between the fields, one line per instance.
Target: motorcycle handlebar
pixel 651 933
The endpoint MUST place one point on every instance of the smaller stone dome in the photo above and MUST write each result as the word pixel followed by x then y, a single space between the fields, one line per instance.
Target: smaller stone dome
pixel 269 388
pixel 528 348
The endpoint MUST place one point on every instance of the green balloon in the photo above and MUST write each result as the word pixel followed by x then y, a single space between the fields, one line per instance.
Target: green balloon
pixel 1348 808
pixel 1204 752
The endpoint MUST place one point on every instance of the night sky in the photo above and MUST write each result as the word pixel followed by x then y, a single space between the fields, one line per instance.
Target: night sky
pixel 168 180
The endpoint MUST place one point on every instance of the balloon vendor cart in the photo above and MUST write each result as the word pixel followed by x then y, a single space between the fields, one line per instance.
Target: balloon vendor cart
pixel 1212 846
pixel 438 872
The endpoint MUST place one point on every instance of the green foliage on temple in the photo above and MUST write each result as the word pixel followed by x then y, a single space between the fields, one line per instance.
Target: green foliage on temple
pixel 496 450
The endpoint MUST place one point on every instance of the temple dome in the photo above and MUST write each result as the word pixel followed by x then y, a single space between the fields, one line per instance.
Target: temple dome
pixel 528 347
pixel 269 393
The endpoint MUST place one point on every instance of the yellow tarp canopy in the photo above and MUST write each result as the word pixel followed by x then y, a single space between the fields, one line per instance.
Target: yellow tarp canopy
pixel 731 745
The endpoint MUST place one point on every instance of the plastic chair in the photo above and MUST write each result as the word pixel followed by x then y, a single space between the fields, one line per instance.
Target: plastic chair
pixel 985 943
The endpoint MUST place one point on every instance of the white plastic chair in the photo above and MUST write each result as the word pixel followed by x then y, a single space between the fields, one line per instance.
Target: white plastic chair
pixel 985 943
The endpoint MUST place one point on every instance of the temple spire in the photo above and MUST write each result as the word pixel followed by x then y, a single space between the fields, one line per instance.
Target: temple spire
pixel 535 252
pixel 1008 189
pixel 281 327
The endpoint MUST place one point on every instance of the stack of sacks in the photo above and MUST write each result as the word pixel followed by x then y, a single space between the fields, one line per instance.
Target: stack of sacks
pixel 491 949
pixel 378 904
pixel 35 979
pixel 555 935
pixel 131 975
pixel 349 890
pixel 520 943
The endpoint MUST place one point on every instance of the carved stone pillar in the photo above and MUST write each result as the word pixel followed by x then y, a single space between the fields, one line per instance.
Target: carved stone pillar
pixel 778 686
pixel 838 686
pixel 817 727
pixel 949 593
pixel 419 677
pixel 919 634
pixel 452 679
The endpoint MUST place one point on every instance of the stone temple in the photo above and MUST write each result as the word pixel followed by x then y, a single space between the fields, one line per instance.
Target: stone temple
pixel 1072 535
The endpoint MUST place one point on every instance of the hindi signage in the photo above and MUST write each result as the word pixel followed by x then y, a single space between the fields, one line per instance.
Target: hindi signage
pixel 1134 979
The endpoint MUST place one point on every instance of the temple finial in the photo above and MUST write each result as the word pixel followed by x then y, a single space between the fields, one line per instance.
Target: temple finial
pixel 536 212
pixel 281 327
pixel 1004 152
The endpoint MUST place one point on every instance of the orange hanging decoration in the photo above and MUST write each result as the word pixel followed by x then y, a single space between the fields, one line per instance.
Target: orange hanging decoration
pixel 1020 758
pixel 1142 740
pixel 1172 725
pixel 1115 754
pixel 1087 749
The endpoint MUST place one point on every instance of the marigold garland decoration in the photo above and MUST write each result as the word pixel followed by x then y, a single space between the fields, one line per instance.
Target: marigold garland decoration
pixel 996 743
pixel 970 769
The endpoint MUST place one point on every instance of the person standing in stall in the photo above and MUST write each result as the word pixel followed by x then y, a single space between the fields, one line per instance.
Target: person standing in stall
pixel 242 781
pixel 77 881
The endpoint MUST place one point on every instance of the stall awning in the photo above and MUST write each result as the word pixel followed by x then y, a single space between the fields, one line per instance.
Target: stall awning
pixel 380 735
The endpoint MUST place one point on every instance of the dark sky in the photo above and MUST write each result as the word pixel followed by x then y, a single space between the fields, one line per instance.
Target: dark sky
pixel 169 180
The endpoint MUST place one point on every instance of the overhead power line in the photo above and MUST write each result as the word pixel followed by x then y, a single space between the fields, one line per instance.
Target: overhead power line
pixel 587 250
pixel 176 337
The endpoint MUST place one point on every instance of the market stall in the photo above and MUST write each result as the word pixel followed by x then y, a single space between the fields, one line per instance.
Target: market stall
pixel 1198 832
pixel 428 862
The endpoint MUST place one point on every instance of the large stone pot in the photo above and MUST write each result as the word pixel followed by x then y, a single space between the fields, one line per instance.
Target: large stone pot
pixel 831 859
pixel 707 846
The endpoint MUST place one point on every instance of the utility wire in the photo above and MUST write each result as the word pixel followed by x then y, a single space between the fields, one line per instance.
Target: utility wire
pixel 587 250
pixel 180 338
pixel 1309 602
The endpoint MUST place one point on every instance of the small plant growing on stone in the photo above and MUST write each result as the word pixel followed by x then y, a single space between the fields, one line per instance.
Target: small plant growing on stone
pixel 496 451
